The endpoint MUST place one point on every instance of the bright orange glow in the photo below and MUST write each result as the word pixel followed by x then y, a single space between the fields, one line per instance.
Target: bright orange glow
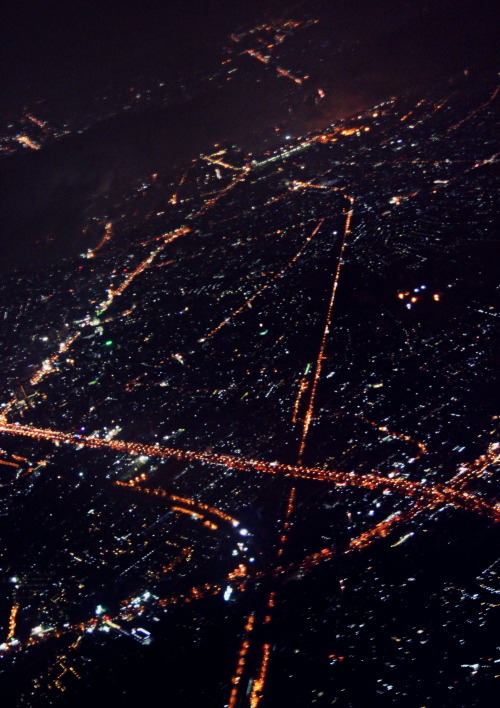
pixel 12 622
pixel 258 684
pixel 349 131
pixel 25 140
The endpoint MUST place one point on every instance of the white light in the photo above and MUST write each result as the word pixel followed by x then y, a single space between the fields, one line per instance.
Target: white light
pixel 228 592
pixel 244 532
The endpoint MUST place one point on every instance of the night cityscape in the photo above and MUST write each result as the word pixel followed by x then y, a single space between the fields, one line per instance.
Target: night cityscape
pixel 249 444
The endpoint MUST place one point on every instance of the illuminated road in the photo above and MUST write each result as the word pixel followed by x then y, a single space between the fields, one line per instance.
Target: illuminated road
pixel 436 493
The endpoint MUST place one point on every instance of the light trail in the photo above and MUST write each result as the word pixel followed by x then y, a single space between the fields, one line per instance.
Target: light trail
pixel 28 142
pixel 173 198
pixel 267 285
pixel 196 593
pixel 285 528
pixel 173 261
pixel 108 234
pixel 221 163
pixel 321 354
pixel 288 75
pixel 265 59
pixel 303 386
pixel 380 530
pixel 12 622
pixel 258 684
pixel 296 184
pixel 399 436
pixel 167 239
pixel 240 664
pixel 202 509
pixel 398 485
pixel 482 163
pixel 200 592
pixel 10 464
pixel 475 111
pixel 36 121
pixel 210 203
pixel 383 528
pixel 308 564
pixel 468 472
pixel 360 542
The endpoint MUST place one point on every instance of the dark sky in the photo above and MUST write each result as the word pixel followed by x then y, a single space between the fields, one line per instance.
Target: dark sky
pixel 50 46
